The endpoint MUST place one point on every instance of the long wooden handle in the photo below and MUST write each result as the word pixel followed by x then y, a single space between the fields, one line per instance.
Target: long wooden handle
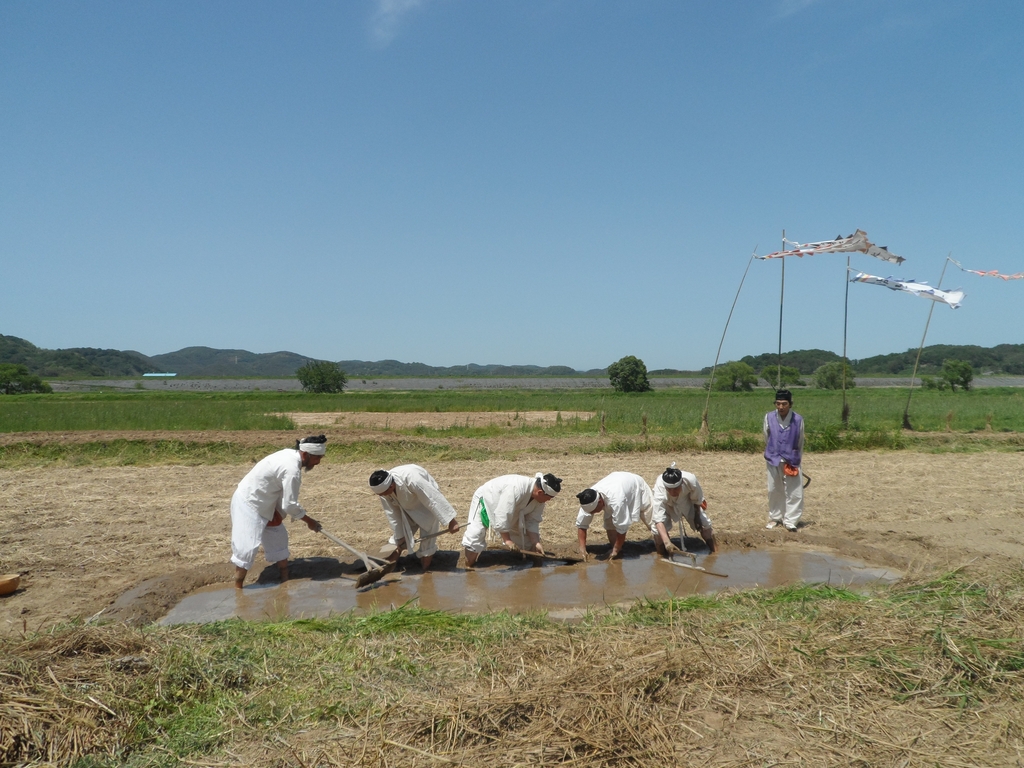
pixel 361 555
pixel 694 568
pixel 443 531
pixel 538 555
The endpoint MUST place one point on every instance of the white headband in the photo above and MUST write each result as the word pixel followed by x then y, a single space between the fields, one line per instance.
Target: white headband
pixel 548 490
pixel 589 508
pixel 313 449
pixel 667 483
pixel 383 485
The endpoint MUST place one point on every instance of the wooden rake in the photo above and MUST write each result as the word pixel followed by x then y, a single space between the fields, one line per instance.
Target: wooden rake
pixel 693 567
pixel 567 559
pixel 376 569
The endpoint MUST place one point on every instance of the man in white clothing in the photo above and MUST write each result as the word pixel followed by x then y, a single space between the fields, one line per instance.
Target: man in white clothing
pixel 624 498
pixel 511 506
pixel 266 494
pixel 678 497
pixel 412 502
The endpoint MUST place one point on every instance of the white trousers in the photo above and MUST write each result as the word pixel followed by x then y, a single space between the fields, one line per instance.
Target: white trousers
pixel 406 524
pixel 249 532
pixel 690 515
pixel 475 537
pixel 785 496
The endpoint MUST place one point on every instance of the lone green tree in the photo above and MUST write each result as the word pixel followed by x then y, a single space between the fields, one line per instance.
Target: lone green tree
pixel 15 379
pixel 322 377
pixel 830 376
pixel 629 375
pixel 957 373
pixel 790 376
pixel 735 376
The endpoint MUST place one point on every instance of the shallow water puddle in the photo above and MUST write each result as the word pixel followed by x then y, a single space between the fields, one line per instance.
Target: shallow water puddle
pixel 563 591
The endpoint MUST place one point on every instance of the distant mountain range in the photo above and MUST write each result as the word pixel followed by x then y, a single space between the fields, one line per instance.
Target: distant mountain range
pixel 87 362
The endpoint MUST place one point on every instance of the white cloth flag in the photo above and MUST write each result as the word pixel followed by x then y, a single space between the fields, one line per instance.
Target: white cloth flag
pixel 953 298
pixel 857 242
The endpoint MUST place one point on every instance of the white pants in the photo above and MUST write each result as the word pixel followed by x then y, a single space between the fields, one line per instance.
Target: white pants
pixel 476 535
pixel 690 515
pixel 407 524
pixel 249 532
pixel 785 496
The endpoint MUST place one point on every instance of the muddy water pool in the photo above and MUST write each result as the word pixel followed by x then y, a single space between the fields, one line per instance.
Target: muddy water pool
pixel 562 591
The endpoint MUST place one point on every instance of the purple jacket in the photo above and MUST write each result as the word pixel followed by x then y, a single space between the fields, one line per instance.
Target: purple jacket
pixel 784 443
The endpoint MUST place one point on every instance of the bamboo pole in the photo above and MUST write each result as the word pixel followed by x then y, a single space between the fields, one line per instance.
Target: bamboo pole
pixel 705 429
pixel 782 299
pixel 846 314
pixel 910 393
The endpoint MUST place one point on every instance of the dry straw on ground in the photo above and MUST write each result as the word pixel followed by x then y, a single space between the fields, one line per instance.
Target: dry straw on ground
pixel 926 681
pixel 930 677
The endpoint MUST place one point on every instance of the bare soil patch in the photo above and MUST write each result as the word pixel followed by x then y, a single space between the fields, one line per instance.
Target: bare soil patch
pixel 435 420
pixel 130 541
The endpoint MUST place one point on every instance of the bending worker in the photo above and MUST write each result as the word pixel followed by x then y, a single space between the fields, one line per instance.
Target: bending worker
pixel 268 493
pixel 783 452
pixel 624 498
pixel 412 502
pixel 677 497
pixel 511 506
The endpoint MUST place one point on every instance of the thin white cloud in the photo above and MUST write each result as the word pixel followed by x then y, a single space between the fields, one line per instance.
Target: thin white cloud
pixel 388 17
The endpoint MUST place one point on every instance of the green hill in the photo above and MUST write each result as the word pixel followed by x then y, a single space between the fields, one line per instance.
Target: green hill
pixel 364 369
pixel 229 363
pixel 65 363
pixel 87 362
pixel 1004 358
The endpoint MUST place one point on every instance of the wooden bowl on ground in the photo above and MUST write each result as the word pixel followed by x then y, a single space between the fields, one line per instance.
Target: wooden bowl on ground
pixel 9 583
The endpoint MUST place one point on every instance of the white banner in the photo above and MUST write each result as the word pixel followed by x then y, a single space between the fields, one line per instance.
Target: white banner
pixel 856 243
pixel 952 298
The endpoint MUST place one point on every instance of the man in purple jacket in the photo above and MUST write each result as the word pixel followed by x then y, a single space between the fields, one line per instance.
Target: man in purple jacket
pixel 784 448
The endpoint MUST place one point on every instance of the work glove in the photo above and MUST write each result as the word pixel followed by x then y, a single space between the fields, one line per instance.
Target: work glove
pixel 511 546
pixel 672 549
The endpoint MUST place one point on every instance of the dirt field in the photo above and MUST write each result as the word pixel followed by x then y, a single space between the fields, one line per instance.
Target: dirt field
pixel 129 542
pixel 435 420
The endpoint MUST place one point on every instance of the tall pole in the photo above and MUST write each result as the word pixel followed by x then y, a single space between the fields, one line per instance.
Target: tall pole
pixel 782 299
pixel 704 427
pixel 910 393
pixel 846 314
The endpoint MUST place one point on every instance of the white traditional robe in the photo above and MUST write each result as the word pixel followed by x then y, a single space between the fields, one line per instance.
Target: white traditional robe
pixel 509 506
pixel 418 505
pixel 685 506
pixel 627 500
pixel 272 485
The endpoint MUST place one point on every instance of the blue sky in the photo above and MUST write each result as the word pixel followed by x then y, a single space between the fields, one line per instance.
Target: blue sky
pixel 549 182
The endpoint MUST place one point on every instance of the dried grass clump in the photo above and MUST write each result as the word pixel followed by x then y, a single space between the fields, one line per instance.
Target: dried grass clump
pixel 834 682
pixel 929 674
pixel 56 691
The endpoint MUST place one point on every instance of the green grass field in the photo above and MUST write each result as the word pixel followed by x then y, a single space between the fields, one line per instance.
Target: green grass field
pixel 668 412
pixel 665 420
